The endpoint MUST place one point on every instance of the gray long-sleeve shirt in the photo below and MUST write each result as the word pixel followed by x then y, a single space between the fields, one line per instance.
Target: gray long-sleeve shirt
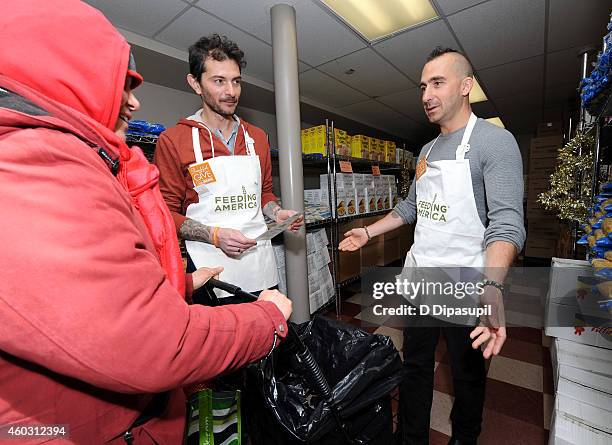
pixel 497 180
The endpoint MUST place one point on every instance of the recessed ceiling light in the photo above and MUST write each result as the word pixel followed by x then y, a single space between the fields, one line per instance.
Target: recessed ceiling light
pixel 376 19
pixel 349 71
pixel 477 95
pixel 496 121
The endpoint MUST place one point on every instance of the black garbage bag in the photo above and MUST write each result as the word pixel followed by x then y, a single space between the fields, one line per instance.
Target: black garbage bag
pixel 361 368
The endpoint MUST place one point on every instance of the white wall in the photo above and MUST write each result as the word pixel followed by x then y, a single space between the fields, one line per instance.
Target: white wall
pixel 164 105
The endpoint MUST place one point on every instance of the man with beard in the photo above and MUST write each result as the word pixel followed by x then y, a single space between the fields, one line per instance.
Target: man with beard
pixel 216 174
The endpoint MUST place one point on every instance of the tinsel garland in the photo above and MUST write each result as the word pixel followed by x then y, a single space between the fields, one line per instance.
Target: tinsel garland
pixel 405 178
pixel 570 184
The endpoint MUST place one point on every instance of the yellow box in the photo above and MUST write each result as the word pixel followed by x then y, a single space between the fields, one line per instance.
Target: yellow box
pixel 360 146
pixel 390 149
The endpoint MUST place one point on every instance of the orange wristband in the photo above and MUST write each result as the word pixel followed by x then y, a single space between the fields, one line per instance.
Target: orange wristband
pixel 215 238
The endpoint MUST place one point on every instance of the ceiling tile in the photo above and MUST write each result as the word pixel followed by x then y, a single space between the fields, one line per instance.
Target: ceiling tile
pixel 409 50
pixel 563 67
pixel 450 6
pixel 372 74
pixel 500 31
pixel 320 36
pixel 321 88
pixel 561 95
pixel 371 112
pixel 577 23
pixel 195 23
pixel 407 102
pixel 512 78
pixel 519 102
pixel 144 17
pixel 254 16
pixel 484 109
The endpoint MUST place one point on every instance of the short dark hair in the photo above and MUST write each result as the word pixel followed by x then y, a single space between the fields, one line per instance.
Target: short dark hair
pixel 215 47
pixel 440 51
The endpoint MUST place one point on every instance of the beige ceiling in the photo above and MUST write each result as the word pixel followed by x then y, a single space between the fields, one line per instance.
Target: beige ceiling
pixel 525 53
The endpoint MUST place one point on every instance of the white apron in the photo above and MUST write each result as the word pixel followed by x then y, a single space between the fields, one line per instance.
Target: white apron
pixel 448 232
pixel 449 235
pixel 229 192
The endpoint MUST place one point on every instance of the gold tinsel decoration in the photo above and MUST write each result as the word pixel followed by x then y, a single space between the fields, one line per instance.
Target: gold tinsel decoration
pixel 405 178
pixel 570 184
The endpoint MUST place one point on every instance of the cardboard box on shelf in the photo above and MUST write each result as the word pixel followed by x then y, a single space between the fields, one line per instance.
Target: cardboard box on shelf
pixel 359 180
pixel 540 247
pixel 360 146
pixel 349 265
pixel 343 181
pixel 390 247
pixel 361 204
pixel 351 202
pixel 313 196
pixel 390 151
pixel 549 128
pixel 342 145
pixel 371 198
pixel 371 254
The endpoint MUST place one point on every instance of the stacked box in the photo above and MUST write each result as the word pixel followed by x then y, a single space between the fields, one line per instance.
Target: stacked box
pixel 390 150
pixel 360 146
pixel 543 226
pixel 343 147
pixel 361 204
pixel 343 181
pixel 371 198
pixel 318 145
pixel 349 264
pixel 315 209
pixel 581 356
pixel 549 129
pixel 377 148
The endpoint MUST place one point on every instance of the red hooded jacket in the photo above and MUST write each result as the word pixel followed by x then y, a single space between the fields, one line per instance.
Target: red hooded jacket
pixel 90 324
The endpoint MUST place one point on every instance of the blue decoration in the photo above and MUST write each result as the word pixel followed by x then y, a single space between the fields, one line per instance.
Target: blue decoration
pixel 597 85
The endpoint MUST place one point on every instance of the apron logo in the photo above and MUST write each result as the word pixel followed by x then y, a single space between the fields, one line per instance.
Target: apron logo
pixel 432 210
pixel 421 167
pixel 201 174
pixel 232 203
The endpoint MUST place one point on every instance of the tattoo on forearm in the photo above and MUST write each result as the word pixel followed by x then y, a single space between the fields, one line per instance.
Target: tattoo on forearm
pixel 394 214
pixel 194 231
pixel 271 209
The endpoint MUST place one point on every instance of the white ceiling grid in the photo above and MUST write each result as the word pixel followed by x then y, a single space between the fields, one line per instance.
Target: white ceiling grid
pixel 523 68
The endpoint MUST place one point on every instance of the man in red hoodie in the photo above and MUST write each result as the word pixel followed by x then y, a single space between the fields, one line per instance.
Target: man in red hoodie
pixel 216 173
pixel 93 318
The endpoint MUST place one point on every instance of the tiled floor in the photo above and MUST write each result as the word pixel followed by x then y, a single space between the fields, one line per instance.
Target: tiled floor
pixel 518 401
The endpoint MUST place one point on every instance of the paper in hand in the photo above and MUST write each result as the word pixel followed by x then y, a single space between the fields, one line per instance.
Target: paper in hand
pixel 276 228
